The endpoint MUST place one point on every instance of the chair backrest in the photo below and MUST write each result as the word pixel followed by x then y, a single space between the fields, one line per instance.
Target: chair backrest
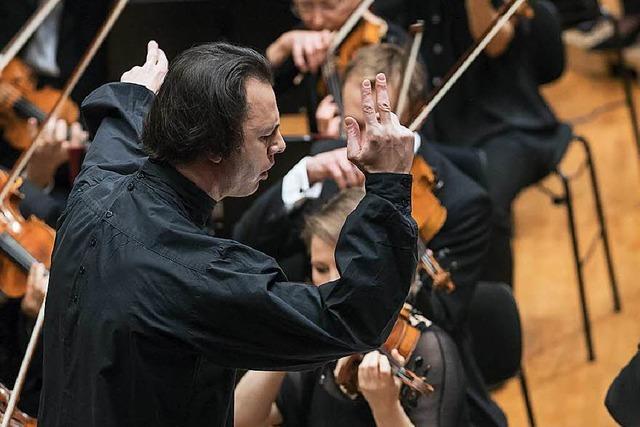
pixel 496 334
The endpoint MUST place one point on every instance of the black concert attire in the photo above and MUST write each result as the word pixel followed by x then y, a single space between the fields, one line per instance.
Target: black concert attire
pixel 148 316
pixel 312 398
pixel 622 397
pixel 496 108
pixel 462 243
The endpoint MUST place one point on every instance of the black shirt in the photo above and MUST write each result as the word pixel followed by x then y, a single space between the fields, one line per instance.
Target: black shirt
pixel 148 316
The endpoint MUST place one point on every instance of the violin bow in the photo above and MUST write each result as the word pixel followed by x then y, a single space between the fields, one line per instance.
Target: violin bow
pixel 77 73
pixel 21 37
pixel 505 13
pixel 24 366
pixel 417 31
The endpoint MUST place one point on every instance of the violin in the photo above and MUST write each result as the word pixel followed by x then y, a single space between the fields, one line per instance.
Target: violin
pixel 20 99
pixel 23 242
pixel 19 418
pixel 404 337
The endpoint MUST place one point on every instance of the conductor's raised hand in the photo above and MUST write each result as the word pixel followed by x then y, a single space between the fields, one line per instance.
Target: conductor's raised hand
pixel 383 145
pixel 151 74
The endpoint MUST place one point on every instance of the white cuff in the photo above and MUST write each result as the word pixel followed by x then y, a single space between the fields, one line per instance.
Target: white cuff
pixel 295 186
pixel 416 142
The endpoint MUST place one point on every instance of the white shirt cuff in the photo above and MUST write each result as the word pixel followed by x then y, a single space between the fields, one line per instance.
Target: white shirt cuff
pixel 295 186
pixel 416 142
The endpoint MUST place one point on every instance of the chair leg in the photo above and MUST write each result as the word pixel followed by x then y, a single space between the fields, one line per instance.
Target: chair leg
pixel 627 88
pixel 586 322
pixel 527 399
pixel 604 235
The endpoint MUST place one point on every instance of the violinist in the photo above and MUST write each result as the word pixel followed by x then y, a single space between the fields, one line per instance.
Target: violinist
pixel 496 109
pixel 148 316
pixel 304 50
pixel 314 398
pixel 274 222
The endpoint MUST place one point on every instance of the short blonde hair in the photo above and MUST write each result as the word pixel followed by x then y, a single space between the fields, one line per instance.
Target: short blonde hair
pixel 329 220
pixel 389 59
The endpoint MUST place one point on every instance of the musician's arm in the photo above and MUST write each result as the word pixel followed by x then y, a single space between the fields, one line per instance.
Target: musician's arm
pixel 480 14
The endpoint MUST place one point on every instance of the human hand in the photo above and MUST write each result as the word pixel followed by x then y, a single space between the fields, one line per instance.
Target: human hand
pixel 307 48
pixel 151 74
pixel 37 283
pixel 328 118
pixel 376 381
pixel 336 166
pixel 52 149
pixel 384 145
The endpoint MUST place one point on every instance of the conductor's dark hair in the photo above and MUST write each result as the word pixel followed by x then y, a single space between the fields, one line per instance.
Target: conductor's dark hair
pixel 202 104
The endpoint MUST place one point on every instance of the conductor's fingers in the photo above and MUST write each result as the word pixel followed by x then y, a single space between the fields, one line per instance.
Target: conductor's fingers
pixel 368 108
pixel 382 96
pixel 152 53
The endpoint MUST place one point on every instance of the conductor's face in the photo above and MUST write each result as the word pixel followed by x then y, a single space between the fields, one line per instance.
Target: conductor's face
pixel 262 140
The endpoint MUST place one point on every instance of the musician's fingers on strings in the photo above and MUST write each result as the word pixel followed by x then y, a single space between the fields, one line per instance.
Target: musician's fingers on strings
pixel 382 98
pixel 385 366
pixel 368 108
pixel 397 356
pixel 298 57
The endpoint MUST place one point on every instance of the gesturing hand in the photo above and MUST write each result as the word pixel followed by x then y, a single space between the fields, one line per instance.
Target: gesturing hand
pixel 151 74
pixel 384 145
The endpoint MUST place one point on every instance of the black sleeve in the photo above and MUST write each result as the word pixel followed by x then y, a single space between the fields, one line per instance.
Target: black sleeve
pixel 114 115
pixel 623 394
pixel 246 315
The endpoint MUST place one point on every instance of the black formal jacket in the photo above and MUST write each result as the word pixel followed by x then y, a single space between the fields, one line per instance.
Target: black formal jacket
pixel 148 316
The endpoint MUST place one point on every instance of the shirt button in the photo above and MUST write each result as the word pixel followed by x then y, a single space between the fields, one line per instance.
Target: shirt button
pixel 82 270
pixel 92 242
pixel 436 81
pixel 108 214
pixel 75 297
pixel 437 48
pixel 435 19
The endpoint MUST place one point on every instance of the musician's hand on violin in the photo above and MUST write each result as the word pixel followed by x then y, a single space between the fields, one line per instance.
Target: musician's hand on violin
pixel 53 148
pixel 336 166
pixel 384 145
pixel 328 118
pixel 307 48
pixel 376 381
pixel 151 74
pixel 37 283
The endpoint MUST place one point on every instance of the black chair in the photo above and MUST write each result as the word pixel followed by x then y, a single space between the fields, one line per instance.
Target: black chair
pixel 547 24
pixel 496 335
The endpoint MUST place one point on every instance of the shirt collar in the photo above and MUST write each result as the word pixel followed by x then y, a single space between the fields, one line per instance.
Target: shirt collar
pixel 166 178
